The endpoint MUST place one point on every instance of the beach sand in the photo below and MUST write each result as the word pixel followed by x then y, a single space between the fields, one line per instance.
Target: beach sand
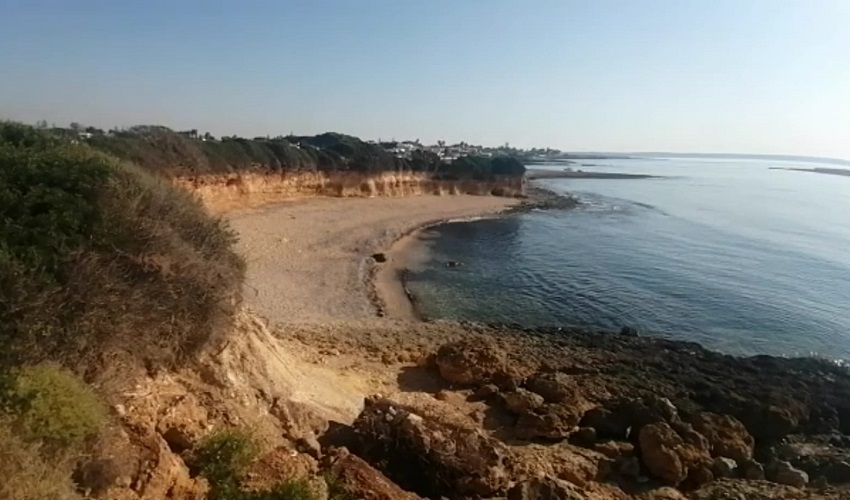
pixel 309 261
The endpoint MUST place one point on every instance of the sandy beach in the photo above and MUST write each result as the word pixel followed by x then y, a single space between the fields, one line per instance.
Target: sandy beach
pixel 309 261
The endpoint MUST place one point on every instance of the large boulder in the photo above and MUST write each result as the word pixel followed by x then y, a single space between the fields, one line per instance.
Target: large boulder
pixel 670 458
pixel 727 436
pixel 430 456
pixel 360 480
pixel 469 362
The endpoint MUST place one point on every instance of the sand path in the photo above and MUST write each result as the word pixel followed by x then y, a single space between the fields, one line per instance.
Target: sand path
pixel 309 260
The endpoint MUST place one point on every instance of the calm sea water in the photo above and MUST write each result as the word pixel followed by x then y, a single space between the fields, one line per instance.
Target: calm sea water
pixel 731 254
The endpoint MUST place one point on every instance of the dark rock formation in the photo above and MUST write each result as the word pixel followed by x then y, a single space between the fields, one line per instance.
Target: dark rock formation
pixel 428 456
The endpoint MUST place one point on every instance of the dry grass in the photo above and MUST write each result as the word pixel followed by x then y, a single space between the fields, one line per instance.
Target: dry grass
pixel 27 475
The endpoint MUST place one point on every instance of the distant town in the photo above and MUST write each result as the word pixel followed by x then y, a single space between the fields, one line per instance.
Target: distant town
pixel 399 148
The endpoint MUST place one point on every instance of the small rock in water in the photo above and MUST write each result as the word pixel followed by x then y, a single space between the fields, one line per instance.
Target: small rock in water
pixel 452 263
pixel 629 331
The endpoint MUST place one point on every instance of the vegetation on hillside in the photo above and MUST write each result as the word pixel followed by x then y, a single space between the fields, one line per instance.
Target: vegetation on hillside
pixel 186 153
pixel 96 254
pixel 223 459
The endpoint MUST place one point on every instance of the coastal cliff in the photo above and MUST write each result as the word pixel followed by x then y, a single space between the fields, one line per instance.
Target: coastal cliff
pixel 251 189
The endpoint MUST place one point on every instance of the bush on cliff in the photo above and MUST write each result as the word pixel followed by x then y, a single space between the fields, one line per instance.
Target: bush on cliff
pixel 95 254
pixel 48 419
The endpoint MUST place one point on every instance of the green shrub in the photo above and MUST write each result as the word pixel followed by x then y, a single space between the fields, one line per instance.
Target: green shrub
pixel 222 458
pixel 96 254
pixel 50 405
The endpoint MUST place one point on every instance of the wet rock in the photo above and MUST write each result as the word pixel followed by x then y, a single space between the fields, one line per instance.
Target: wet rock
pixel 783 472
pixel 726 435
pixel 521 401
pixel 629 331
pixel 360 480
pixel 750 469
pixel 379 257
pixel 426 455
pixel 723 467
pixel 668 457
pixel 469 362
pixel 584 436
pixel 545 489
pixel 555 387
pixel 452 263
pixel 549 421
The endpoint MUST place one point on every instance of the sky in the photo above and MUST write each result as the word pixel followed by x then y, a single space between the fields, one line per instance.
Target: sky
pixel 745 76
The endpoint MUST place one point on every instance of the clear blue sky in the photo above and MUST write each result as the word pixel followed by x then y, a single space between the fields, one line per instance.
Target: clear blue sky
pixel 769 76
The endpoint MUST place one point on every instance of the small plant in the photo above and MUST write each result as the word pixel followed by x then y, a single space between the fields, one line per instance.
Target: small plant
pixel 50 405
pixel 222 458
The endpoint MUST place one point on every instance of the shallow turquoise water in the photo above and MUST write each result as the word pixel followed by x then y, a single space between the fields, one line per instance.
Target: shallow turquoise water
pixel 731 254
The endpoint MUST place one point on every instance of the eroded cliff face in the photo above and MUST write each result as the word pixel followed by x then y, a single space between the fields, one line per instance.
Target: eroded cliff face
pixel 227 192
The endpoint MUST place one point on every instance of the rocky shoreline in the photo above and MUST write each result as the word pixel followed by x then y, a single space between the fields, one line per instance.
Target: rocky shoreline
pixel 578 414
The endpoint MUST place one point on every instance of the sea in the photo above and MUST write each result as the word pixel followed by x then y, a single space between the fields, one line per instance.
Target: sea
pixel 734 254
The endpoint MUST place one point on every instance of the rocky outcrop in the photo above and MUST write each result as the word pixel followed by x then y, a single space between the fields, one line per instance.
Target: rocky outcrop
pixel 726 435
pixel 670 458
pixel 360 480
pixel 429 456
